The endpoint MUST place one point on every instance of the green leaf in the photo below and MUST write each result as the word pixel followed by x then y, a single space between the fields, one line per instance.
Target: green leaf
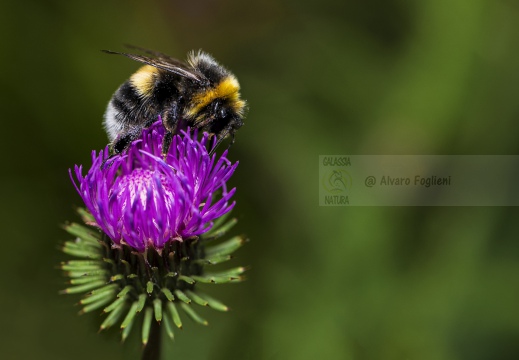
pixel 80 274
pixel 125 291
pixel 82 232
pixel 115 304
pixel 187 279
pixel 197 299
pixel 126 331
pixel 84 287
pixel 168 294
pixel 219 222
pixel 81 262
pixel 127 267
pixel 203 279
pixel 169 327
pixel 109 287
pixel 206 279
pixel 128 320
pixel 113 317
pixel 94 306
pixel 81 253
pixel 225 248
pixel 116 277
pixel 213 303
pixel 213 260
pixel 182 296
pixel 234 272
pixel 80 245
pixel 149 287
pixel 109 261
pixel 84 268
pixel 93 298
pixel 146 325
pixel 193 314
pixel 86 279
pixel 220 230
pixel 141 301
pixel 157 308
pixel 174 314
pixel 85 215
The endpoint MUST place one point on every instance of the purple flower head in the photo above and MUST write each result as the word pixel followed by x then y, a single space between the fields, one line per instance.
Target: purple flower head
pixel 142 200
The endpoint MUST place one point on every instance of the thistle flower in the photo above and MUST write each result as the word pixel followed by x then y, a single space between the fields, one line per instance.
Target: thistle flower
pixel 148 224
pixel 143 201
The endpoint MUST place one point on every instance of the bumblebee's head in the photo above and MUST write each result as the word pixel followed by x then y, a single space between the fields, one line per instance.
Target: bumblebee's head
pixel 216 107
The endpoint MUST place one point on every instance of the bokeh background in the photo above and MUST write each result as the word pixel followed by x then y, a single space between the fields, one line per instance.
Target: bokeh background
pixel 321 77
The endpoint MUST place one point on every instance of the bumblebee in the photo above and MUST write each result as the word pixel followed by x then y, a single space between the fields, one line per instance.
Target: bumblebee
pixel 200 93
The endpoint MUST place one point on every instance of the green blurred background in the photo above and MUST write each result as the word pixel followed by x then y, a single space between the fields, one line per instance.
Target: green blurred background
pixel 321 77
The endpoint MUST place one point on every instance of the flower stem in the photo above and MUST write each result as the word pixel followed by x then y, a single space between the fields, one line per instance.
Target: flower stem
pixel 152 349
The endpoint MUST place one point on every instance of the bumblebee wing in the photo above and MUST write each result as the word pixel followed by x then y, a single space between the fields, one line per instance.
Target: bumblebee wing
pixel 157 55
pixel 175 67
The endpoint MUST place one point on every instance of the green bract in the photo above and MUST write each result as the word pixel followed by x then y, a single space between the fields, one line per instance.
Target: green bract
pixel 157 283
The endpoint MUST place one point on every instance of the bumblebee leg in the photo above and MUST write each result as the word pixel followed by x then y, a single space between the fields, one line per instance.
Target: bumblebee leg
pixel 107 161
pixel 124 142
pixel 116 149
pixel 166 143
pixel 120 145
pixel 170 122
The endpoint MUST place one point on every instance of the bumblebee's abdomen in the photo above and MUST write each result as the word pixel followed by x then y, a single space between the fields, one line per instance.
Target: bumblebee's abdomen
pixel 127 110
